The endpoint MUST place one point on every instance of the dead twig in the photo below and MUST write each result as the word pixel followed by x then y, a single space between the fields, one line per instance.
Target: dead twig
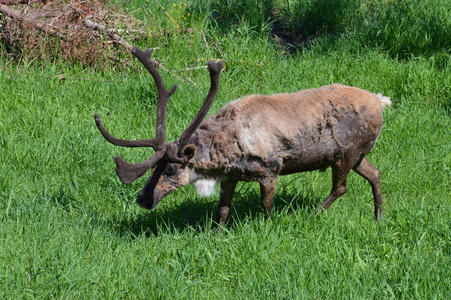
pixel 117 38
pixel 192 69
pixel 126 45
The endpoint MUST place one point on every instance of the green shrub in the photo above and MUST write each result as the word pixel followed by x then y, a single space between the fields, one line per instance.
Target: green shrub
pixel 225 15
pixel 407 28
pixel 312 17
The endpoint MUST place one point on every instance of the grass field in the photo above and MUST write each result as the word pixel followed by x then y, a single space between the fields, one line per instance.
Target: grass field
pixel 70 230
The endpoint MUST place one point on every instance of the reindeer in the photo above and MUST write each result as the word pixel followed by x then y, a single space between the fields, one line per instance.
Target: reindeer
pixel 258 138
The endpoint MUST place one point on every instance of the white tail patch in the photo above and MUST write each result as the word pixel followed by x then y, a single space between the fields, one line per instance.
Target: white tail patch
pixel 385 101
pixel 205 187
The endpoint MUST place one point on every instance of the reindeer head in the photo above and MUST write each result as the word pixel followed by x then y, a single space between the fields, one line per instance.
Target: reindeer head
pixel 168 161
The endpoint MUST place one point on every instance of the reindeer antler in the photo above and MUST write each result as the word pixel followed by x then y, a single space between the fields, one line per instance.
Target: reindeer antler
pixel 163 150
pixel 215 70
pixel 163 96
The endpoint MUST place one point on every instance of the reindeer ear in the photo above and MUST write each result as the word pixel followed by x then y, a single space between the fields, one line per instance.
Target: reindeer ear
pixel 188 152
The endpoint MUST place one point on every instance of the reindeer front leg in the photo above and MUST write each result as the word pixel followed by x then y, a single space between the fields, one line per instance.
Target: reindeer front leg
pixel 227 192
pixel 267 191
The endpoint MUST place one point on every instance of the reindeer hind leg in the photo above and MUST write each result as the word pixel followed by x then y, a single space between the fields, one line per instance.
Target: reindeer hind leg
pixel 339 178
pixel 340 173
pixel 373 175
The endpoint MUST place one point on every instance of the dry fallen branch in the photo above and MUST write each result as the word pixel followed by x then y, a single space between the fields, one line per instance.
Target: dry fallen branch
pixel 24 18
pixel 55 28
pixel 110 34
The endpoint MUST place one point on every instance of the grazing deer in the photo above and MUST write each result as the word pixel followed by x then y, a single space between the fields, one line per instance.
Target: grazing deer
pixel 258 138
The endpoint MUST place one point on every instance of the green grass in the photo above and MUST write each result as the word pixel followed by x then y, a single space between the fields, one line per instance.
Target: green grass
pixel 69 229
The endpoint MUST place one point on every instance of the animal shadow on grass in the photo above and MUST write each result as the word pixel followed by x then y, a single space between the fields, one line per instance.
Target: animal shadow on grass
pixel 200 215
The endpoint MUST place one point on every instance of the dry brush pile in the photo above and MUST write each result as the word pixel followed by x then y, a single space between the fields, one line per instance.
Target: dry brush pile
pixel 73 30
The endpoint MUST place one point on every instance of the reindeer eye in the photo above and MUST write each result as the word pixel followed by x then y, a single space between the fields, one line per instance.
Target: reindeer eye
pixel 169 171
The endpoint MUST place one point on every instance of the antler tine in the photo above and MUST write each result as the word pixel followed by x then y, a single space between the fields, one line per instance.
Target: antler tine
pixel 130 172
pixel 163 94
pixel 215 70
pixel 154 143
